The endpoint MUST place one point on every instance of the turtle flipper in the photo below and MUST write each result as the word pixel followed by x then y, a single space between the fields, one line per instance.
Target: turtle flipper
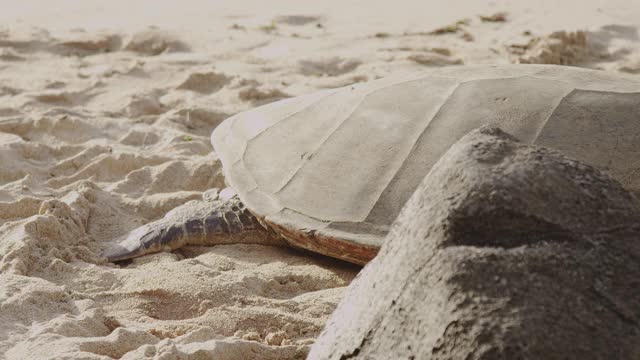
pixel 224 221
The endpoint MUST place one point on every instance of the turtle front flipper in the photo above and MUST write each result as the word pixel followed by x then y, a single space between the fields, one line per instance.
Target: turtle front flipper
pixel 224 221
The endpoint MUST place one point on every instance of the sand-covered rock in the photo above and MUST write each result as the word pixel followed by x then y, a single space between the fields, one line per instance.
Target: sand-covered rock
pixel 505 251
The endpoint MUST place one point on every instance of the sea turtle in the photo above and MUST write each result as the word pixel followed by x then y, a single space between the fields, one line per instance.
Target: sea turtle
pixel 330 171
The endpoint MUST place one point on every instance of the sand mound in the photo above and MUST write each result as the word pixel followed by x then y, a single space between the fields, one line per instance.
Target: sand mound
pixel 10 55
pixel 560 48
pixel 485 267
pixel 297 20
pixel 328 67
pixel 204 82
pixel 607 47
pixel 258 96
pixel 434 59
pixel 90 44
pixel 155 42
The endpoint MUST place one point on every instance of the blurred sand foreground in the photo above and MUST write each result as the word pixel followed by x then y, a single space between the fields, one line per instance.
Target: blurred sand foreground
pixel 105 114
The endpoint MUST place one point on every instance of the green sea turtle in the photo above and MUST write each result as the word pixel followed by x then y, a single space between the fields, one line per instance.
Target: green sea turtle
pixel 330 171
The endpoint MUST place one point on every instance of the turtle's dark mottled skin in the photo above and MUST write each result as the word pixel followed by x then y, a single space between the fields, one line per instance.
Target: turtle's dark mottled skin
pixel 221 221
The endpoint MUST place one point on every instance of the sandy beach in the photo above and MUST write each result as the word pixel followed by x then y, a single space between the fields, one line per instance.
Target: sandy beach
pixel 106 109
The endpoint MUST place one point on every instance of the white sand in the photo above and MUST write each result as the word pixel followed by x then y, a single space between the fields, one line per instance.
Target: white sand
pixel 104 125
